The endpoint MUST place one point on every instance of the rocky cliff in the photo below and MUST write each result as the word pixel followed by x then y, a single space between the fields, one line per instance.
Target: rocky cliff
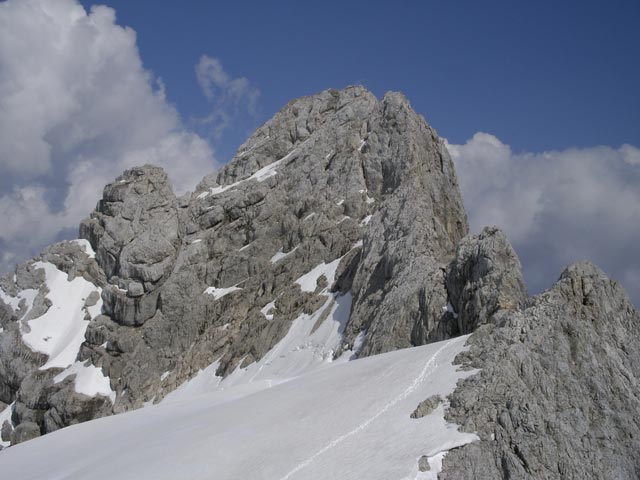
pixel 339 202
pixel 338 196
pixel 558 393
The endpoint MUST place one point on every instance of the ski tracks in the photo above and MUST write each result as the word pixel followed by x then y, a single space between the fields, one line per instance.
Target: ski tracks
pixel 428 368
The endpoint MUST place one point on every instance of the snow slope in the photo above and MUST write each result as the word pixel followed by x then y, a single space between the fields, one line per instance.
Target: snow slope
pixel 60 331
pixel 348 420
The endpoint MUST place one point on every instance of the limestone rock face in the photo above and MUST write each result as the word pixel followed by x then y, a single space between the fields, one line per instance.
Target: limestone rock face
pixel 337 177
pixel 25 431
pixel 339 197
pixel 134 232
pixel 484 277
pixel 559 391
pixel 399 287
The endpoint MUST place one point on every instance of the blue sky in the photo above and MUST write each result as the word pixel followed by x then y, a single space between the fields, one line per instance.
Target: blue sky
pixel 539 75
pixel 539 102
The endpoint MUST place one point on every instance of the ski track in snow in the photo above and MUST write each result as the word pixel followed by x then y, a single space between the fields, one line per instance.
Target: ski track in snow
pixel 428 368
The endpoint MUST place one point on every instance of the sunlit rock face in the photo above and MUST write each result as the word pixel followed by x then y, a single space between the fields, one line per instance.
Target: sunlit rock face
pixel 336 232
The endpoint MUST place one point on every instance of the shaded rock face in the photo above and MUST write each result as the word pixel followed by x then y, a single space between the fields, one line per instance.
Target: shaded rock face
pixel 558 395
pixel 484 277
pixel 399 287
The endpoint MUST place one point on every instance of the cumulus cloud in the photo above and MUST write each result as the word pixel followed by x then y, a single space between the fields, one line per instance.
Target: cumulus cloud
pixel 557 207
pixel 77 107
pixel 229 97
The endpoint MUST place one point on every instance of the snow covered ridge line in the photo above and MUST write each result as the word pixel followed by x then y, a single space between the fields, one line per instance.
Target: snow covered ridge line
pixel 332 423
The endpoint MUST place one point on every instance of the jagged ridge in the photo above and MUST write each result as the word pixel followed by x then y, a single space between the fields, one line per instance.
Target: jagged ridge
pixel 339 203
pixel 340 179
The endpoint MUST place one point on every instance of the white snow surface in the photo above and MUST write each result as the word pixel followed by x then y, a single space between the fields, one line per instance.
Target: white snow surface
pixel 89 380
pixel 86 246
pixel 267 308
pixel 60 331
pixel 220 292
pixel 245 247
pixel 308 281
pixel 280 255
pixel 346 421
pixel 366 220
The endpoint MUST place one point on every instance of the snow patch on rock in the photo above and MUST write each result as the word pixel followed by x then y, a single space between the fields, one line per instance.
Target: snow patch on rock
pixel 280 255
pixel 59 332
pixel 261 175
pixel 220 292
pixel 85 245
pixel 89 380
pixel 308 281
pixel 267 308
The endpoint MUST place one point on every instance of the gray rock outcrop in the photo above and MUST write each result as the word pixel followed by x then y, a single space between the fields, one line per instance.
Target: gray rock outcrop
pixel 558 393
pixel 25 431
pixel 399 287
pixel 484 277
pixel 427 406
pixel 134 232
pixel 365 191
pixel 339 178
pixel 330 178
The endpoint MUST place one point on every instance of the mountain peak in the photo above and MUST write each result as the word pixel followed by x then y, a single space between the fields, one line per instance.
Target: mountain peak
pixel 336 232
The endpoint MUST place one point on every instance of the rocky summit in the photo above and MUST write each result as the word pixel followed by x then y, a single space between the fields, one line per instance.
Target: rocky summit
pixel 336 232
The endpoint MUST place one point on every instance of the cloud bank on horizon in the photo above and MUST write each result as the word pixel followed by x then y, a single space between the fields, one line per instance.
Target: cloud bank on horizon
pixel 557 207
pixel 77 108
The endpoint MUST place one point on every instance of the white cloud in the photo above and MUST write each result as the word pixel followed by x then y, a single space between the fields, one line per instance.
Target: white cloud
pixel 26 219
pixel 630 154
pixel 557 207
pixel 77 107
pixel 229 97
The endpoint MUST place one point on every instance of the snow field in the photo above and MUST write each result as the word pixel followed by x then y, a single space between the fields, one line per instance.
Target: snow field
pixel 347 421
